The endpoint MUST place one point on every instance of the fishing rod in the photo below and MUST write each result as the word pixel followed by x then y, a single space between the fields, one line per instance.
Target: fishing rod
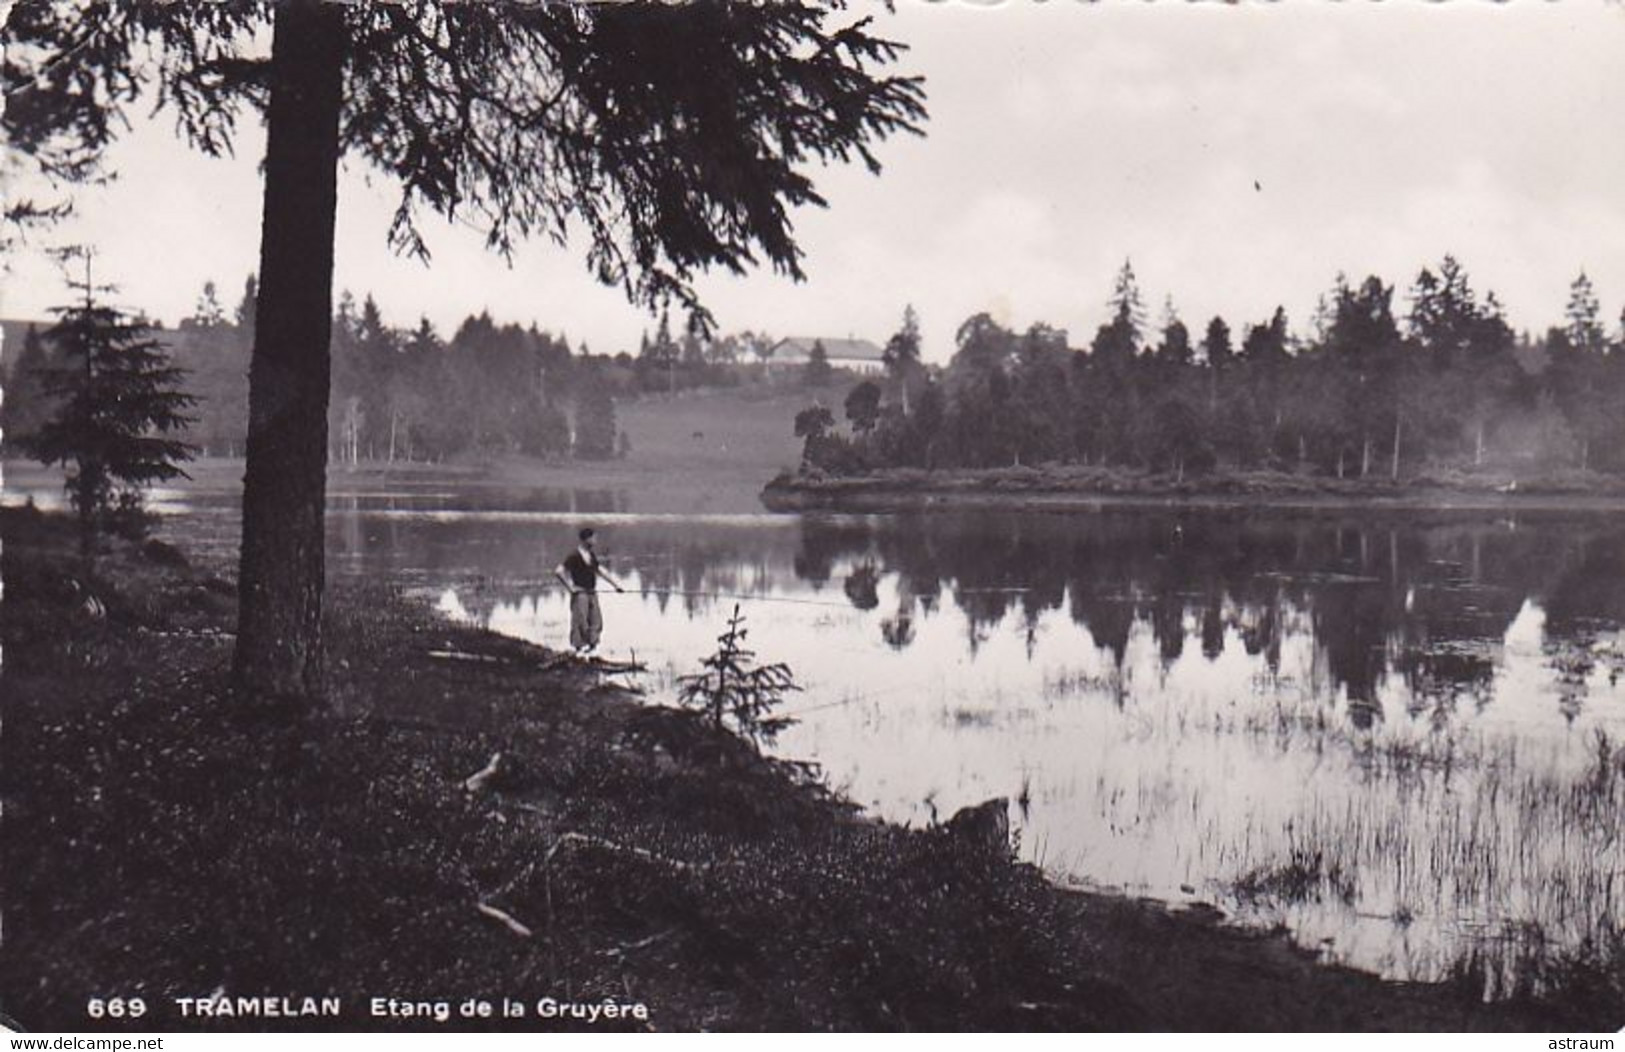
pixel 731 595
pixel 548 584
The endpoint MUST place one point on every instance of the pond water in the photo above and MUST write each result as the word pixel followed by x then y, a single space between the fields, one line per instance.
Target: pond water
pixel 1395 735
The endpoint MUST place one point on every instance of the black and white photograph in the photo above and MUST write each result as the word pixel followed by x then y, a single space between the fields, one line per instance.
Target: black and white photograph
pixel 812 515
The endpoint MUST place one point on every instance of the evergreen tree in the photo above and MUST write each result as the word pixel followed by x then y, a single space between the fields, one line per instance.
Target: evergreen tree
pixel 424 339
pixel 209 313
pixel 1365 345
pixel 1216 344
pixel 1583 318
pixel 1492 375
pixel 1128 311
pixel 119 416
pixel 1362 321
pixel 1267 344
pixel 1115 342
pixel 1175 347
pixel 1444 313
pixel 902 357
pixel 818 371
pixel 734 692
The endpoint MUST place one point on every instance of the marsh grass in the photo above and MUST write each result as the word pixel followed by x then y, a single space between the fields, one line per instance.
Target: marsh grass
pixel 1515 870
pixel 1304 877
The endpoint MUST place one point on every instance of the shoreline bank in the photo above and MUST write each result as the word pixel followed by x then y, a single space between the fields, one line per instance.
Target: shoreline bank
pixel 1086 489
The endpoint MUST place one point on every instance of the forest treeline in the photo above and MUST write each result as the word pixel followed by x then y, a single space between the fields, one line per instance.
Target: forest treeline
pixel 398 394
pixel 1376 389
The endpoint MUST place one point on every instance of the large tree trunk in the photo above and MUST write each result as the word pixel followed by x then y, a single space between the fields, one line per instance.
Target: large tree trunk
pixel 88 481
pixel 279 637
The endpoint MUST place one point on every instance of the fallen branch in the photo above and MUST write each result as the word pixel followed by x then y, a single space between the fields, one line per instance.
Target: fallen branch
pixel 593 664
pixel 586 840
pixel 461 655
pixel 506 919
pixel 604 665
pixel 566 839
pixel 628 947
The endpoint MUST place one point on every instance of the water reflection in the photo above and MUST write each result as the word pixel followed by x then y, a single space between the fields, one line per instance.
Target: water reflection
pixel 1385 734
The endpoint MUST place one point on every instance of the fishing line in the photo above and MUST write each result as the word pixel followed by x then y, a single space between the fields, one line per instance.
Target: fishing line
pixel 548 585
pixel 733 595
pixel 868 695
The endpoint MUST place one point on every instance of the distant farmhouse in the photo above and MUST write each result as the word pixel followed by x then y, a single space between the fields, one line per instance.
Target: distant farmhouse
pixel 857 356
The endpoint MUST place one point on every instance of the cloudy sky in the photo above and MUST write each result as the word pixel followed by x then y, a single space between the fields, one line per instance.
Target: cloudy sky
pixel 1239 155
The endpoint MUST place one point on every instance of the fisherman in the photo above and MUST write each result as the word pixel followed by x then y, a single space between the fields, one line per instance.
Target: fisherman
pixel 579 573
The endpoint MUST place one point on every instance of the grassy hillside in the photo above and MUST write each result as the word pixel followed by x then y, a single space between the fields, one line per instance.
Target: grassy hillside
pixel 702 451
pixel 711 432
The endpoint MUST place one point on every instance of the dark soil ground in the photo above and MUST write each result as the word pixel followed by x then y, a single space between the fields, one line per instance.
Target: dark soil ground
pixel 166 838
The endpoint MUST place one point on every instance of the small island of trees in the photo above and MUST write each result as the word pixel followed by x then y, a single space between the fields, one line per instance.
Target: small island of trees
pixel 1375 390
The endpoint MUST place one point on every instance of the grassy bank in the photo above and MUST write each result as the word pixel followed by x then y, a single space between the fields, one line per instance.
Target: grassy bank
pixel 169 840
pixel 1081 486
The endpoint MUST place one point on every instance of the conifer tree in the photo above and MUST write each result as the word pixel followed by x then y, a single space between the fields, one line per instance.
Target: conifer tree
pixel 819 371
pixel 120 414
pixel 1216 346
pixel 1128 311
pixel 209 312
pixel 902 356
pixel 1583 317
